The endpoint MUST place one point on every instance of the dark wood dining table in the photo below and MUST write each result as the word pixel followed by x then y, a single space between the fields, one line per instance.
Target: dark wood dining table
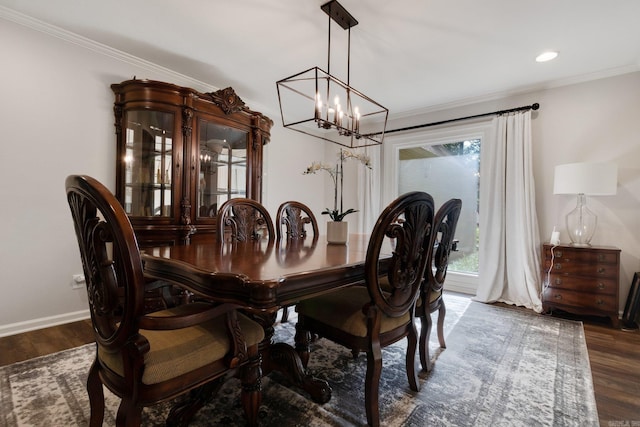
pixel 262 277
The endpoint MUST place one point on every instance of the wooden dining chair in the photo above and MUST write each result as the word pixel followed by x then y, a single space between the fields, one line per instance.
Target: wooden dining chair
pixel 368 318
pixel 246 220
pixel 150 358
pixel 445 223
pixel 293 216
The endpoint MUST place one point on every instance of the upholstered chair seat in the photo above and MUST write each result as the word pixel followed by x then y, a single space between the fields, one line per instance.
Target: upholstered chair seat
pixel 346 313
pixel 176 352
pixel 433 296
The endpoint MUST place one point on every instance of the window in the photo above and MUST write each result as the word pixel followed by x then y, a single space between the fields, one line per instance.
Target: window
pixel 445 164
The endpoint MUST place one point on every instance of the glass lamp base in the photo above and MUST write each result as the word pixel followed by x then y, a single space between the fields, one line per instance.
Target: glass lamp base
pixel 580 245
pixel 581 224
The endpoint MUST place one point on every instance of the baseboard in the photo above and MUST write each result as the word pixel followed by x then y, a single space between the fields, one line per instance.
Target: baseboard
pixel 43 322
pixel 462 283
pixel 462 289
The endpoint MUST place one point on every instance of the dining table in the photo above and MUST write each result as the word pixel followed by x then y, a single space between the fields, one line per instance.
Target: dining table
pixel 261 277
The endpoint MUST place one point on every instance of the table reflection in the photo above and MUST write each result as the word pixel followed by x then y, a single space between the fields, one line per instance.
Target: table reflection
pixel 291 252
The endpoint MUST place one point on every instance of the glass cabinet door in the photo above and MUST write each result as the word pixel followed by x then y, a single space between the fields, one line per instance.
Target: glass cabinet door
pixel 181 155
pixel 148 163
pixel 223 166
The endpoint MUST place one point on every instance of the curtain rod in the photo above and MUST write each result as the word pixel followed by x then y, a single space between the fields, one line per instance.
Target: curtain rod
pixel 512 110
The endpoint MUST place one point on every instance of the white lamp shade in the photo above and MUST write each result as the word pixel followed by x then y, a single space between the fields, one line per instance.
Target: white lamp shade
pixel 592 179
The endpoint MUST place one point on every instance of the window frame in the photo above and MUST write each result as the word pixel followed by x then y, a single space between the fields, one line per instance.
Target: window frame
pixel 456 281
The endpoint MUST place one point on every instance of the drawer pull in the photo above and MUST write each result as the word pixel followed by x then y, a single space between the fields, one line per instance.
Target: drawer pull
pixel 601 270
pixel 599 302
pixel 601 285
pixel 557 266
pixel 558 281
pixel 558 254
pixel 558 297
pixel 600 257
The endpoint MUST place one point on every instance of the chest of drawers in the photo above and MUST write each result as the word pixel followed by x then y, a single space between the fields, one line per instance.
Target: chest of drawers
pixel 581 280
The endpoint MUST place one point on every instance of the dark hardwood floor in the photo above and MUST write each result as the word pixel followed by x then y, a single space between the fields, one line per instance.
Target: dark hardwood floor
pixel 615 366
pixel 614 356
pixel 16 348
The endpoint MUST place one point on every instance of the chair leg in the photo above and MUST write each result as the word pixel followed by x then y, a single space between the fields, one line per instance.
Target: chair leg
pixel 129 413
pixel 372 385
pixel 412 373
pixel 96 396
pixel 285 314
pixel 252 389
pixel 441 313
pixel 425 332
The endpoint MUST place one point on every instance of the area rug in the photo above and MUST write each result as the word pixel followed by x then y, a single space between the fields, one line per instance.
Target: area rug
pixel 501 367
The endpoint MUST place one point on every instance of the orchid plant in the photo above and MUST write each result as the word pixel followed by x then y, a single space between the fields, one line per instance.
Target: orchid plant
pixel 336 173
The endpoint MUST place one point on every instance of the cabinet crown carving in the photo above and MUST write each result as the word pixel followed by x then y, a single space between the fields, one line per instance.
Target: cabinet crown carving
pixel 227 100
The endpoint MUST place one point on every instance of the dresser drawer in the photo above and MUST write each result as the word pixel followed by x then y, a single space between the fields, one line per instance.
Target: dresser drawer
pixel 584 284
pixel 571 255
pixel 582 269
pixel 586 301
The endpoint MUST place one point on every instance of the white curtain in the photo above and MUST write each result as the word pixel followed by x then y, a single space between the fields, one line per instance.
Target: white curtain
pixel 509 268
pixel 369 185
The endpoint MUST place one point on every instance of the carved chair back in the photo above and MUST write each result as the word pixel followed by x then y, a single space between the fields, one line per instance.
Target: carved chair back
pixel 408 222
pixel 293 217
pixel 111 261
pixel 445 224
pixel 247 220
pixel 431 295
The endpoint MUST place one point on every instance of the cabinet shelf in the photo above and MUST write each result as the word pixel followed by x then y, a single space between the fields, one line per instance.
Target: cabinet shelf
pixel 148 185
pixel 135 144
pixel 222 192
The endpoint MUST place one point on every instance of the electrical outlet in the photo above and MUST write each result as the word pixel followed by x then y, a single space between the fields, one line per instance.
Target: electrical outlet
pixel 77 281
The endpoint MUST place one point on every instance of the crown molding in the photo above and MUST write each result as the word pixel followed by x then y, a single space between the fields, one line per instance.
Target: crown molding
pixel 70 37
pixel 552 84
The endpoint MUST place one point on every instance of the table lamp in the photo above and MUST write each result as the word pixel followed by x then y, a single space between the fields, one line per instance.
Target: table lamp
pixel 584 179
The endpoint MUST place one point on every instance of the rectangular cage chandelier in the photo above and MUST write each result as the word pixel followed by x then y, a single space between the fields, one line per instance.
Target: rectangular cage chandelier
pixel 318 104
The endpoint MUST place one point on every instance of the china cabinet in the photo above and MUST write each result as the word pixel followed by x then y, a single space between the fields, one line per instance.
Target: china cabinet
pixel 181 154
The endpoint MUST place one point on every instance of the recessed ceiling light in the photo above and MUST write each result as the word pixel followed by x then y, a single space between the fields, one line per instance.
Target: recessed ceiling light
pixel 546 56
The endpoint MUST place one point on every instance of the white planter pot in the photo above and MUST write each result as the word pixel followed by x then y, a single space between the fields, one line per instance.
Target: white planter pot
pixel 337 232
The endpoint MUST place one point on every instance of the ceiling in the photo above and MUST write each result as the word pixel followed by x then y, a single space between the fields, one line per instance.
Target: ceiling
pixel 407 55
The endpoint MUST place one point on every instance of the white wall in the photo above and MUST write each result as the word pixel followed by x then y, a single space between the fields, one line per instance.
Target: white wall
pixel 597 120
pixel 57 118
pixel 56 112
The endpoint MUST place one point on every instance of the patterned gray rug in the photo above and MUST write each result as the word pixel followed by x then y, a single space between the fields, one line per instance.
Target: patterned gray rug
pixel 502 367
